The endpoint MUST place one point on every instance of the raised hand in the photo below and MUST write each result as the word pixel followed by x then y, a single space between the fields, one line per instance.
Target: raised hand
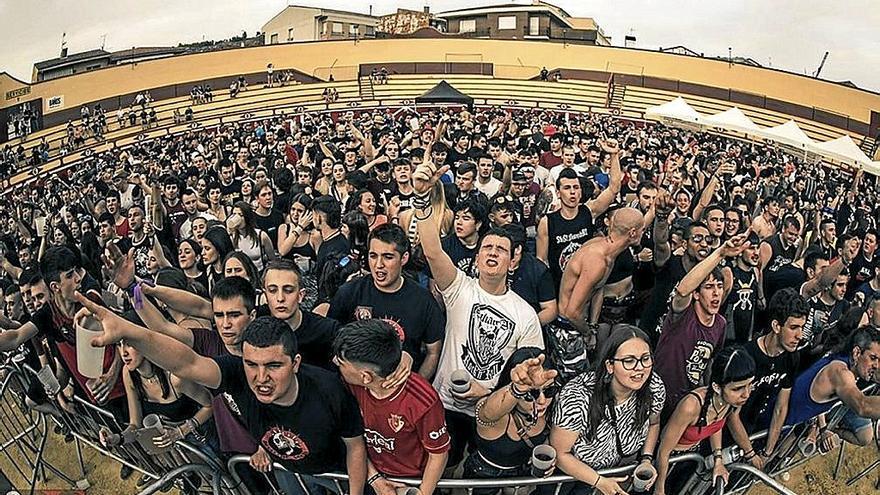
pixel 735 245
pixel 112 324
pixel 531 373
pixel 610 146
pixel 426 176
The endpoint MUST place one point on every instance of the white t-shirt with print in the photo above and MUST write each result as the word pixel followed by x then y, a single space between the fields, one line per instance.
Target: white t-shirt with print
pixel 482 331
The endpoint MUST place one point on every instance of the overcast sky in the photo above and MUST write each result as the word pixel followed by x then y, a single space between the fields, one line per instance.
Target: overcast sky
pixel 786 34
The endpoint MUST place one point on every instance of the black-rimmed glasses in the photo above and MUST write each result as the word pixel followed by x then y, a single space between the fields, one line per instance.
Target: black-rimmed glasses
pixel 629 363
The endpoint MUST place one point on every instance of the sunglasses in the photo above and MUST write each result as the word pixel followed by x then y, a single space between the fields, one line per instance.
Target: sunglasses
pixel 699 238
pixel 549 392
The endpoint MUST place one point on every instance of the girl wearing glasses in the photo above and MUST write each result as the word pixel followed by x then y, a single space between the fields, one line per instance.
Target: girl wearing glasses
pixel 610 415
pixel 511 421
pixel 702 414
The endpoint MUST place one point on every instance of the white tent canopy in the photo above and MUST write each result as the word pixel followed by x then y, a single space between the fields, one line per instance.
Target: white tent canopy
pixel 732 119
pixel 788 133
pixel 873 168
pixel 677 109
pixel 843 149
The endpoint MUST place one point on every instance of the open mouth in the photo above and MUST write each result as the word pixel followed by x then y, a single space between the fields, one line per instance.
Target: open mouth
pixel 263 390
pixel 491 262
pixel 703 253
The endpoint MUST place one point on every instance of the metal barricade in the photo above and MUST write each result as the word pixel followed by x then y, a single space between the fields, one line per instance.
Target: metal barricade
pixel 24 433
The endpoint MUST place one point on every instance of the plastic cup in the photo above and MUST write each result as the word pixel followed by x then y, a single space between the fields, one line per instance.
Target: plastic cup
pixel 40 224
pixel 460 381
pixel 807 447
pixel 543 458
pixel 49 381
pixel 89 360
pixel 153 428
pixel 641 476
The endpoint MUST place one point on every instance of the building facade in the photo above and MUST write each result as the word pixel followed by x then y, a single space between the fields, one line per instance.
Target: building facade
pixel 299 23
pixel 538 21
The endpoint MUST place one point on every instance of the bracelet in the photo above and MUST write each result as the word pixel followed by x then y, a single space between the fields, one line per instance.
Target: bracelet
pixel 646 457
pixel 598 477
pixel 421 202
pixel 763 452
pixel 427 211
pixel 525 396
pixel 717 454
pixel 374 477
pixel 749 455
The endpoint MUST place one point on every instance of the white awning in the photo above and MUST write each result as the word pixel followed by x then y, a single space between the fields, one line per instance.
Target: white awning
pixel 732 118
pixel 788 133
pixel 843 150
pixel 677 109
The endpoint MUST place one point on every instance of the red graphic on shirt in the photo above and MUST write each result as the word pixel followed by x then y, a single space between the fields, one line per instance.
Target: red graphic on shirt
pixel 284 444
pixel 395 422
pixel 397 328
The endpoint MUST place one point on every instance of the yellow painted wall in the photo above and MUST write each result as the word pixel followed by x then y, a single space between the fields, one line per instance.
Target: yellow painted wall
pixel 512 59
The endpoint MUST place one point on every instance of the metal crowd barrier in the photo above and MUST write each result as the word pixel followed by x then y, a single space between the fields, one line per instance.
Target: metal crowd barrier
pixel 26 430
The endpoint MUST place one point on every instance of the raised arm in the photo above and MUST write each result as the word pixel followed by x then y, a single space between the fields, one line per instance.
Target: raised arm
pixel 829 274
pixel 599 205
pixel 844 384
pixel 180 300
pixel 662 250
pixel 681 298
pixel 166 352
pixel 154 320
pixel 425 179
pixel 10 339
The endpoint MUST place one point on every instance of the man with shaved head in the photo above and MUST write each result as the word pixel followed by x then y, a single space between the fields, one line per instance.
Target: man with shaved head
pixel 572 335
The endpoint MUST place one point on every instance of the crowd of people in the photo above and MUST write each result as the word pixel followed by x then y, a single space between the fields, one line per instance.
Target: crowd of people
pixel 438 294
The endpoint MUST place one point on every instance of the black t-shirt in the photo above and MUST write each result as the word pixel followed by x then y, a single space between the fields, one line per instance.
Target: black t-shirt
pixel 772 374
pixel 861 271
pixel 668 276
pixel 142 251
pixel 207 342
pixel 412 310
pixel 461 255
pixel 231 193
pixel 336 244
pixel 305 437
pixel 314 337
pixel 269 224
pixel 786 276
pixel 382 191
pixel 532 281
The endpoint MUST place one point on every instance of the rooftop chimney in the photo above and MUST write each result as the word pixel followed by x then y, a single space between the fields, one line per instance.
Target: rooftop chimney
pixel 64 52
pixel 427 9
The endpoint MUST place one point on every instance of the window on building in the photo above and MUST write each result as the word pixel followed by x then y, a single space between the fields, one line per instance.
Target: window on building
pixel 290 34
pixel 337 28
pixel 467 26
pixel 507 22
pixel 353 29
pixel 273 38
pixel 534 25
pixel 370 31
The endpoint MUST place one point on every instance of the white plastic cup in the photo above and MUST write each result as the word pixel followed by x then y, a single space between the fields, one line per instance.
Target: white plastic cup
pixel 89 360
pixel 543 458
pixel 807 447
pixel 460 381
pixel 153 428
pixel 641 476
pixel 40 224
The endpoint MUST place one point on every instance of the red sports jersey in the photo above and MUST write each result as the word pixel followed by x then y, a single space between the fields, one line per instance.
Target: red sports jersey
pixel 401 430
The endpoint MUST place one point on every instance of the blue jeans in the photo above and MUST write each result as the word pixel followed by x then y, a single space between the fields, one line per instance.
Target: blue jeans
pixel 288 484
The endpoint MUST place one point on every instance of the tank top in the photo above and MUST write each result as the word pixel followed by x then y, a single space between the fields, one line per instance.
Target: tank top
pixel 780 255
pixel 179 410
pixel 801 405
pixel 739 309
pixel 253 250
pixel 695 434
pixel 565 237
pixel 507 453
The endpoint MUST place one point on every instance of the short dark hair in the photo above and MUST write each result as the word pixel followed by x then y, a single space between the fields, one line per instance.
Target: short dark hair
pixel 475 207
pixel 812 259
pixel 56 260
pixel 498 232
pixel 284 265
pixel 391 233
pixel 791 221
pixel 465 168
pixel 864 337
pixel 787 303
pixel 566 173
pixel 331 208
pixel 267 331
pixel 646 184
pixel 231 287
pixel 371 342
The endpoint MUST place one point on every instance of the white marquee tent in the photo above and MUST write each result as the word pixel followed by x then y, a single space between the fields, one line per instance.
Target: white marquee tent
pixel 732 119
pixel 843 150
pixel 788 133
pixel 677 109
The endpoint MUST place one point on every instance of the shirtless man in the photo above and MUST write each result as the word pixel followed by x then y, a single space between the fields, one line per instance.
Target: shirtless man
pixel 571 337
pixel 765 224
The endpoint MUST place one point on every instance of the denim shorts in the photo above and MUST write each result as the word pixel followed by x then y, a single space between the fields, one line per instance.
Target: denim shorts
pixel 854 423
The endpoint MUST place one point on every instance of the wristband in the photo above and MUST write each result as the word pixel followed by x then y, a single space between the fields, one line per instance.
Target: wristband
pixel 374 477
pixel 646 457
pixel 525 396
pixel 421 202
pixel 427 212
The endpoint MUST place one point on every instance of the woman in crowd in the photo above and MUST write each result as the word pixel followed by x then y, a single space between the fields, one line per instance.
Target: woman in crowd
pixel 189 253
pixel 355 229
pixel 610 415
pixel 246 237
pixel 339 184
pixel 247 190
pixel 364 202
pixel 238 264
pixel 512 420
pixel 216 244
pixel 215 201
pixel 324 183
pixel 296 237
pixel 702 414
